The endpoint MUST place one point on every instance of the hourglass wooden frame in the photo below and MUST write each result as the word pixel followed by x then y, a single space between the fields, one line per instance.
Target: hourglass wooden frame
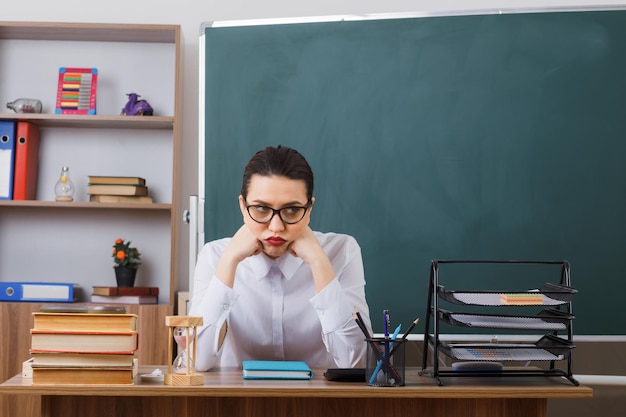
pixel 190 377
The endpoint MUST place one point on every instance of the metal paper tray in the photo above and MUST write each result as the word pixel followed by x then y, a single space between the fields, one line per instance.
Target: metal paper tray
pixel 547 319
pixel 550 295
pixel 548 348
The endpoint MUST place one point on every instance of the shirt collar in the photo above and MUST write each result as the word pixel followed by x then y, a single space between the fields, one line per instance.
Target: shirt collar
pixel 288 265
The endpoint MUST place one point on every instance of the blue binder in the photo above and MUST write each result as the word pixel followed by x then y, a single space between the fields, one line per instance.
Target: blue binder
pixel 60 292
pixel 7 158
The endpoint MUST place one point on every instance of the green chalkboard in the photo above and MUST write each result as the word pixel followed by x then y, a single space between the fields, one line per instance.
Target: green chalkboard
pixel 452 137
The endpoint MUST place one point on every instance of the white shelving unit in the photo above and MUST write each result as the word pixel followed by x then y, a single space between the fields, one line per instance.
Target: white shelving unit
pixel 43 240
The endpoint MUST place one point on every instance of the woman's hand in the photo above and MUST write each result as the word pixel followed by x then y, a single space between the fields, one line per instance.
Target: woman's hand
pixel 307 247
pixel 242 245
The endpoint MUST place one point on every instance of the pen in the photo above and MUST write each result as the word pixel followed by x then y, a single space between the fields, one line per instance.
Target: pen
pixel 386 323
pixel 405 335
pixel 394 336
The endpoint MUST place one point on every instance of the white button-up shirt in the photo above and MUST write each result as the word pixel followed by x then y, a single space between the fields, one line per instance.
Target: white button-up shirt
pixel 274 313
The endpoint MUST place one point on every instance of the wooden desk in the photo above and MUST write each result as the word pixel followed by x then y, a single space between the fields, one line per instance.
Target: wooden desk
pixel 226 393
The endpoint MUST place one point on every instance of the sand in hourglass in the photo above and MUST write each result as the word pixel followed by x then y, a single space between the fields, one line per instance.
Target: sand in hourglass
pixel 180 363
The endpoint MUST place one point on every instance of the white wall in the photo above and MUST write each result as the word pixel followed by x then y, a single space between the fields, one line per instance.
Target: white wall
pixel 191 13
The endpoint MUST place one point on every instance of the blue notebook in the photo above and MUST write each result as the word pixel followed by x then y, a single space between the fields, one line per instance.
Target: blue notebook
pixel 276 370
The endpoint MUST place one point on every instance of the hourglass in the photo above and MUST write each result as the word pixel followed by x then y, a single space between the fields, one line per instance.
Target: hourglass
pixel 182 361
pixel 181 370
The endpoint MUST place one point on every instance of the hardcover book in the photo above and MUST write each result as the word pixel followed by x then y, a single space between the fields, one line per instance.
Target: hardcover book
pixel 116 189
pixel 100 179
pixel 119 291
pixel 84 322
pixel 103 198
pixel 125 299
pixel 83 342
pixel 255 369
pixel 85 375
pixel 76 360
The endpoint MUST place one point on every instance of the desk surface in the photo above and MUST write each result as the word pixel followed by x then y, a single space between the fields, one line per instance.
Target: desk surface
pixel 229 383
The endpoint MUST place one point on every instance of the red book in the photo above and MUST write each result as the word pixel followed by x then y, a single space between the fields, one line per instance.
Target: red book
pixel 121 291
pixel 26 161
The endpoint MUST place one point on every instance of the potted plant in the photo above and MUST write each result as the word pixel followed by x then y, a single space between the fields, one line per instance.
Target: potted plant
pixel 127 259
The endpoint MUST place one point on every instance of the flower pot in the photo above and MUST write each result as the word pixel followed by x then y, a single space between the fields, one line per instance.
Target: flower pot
pixel 125 276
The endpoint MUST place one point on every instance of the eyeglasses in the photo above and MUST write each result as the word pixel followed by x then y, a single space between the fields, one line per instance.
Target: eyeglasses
pixel 288 215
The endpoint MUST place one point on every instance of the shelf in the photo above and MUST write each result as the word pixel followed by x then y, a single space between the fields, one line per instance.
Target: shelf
pixel 100 32
pixel 94 121
pixel 85 205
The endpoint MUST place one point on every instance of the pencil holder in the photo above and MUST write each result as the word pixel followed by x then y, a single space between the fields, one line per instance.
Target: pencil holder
pixel 385 365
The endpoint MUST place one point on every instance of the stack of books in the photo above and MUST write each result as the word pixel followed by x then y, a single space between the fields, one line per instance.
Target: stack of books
pixel 125 295
pixel 84 348
pixel 111 189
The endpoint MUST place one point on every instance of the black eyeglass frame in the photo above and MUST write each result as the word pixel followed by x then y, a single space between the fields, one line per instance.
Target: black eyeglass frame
pixel 277 211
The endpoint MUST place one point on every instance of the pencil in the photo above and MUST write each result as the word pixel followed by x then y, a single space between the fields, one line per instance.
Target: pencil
pixel 362 327
pixel 361 323
pixel 404 336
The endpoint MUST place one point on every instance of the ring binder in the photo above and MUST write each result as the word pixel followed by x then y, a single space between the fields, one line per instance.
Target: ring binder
pixel 37 291
pixel 7 159
pixel 26 161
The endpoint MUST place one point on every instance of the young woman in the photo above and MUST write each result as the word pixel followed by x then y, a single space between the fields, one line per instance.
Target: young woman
pixel 277 290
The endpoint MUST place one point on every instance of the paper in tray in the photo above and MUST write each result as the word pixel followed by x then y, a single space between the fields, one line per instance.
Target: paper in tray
pixel 548 348
pixel 548 295
pixel 547 319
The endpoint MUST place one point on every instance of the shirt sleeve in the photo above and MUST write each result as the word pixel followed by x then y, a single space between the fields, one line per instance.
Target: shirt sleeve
pixel 213 301
pixel 336 304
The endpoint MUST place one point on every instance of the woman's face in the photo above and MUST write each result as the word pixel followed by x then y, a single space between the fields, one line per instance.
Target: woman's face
pixel 275 192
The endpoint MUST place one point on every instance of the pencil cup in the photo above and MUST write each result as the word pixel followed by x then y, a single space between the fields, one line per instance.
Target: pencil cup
pixel 385 365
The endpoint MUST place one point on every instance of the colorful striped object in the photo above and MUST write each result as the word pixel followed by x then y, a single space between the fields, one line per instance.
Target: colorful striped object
pixel 76 92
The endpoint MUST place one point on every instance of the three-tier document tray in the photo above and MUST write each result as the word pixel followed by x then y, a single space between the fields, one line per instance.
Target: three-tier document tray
pixel 543 314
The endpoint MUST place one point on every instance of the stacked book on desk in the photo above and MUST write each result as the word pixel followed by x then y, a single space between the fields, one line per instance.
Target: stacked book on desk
pixel 125 295
pixel 112 189
pixel 84 348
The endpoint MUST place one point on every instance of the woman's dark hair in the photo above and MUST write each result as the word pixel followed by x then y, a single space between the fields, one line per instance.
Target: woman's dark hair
pixel 280 160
